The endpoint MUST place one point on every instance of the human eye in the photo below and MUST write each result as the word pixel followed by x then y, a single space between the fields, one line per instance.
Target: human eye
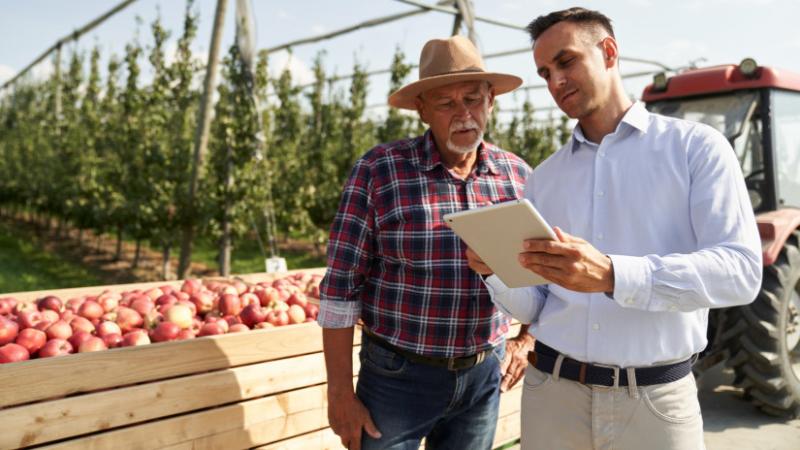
pixel 473 100
pixel 445 106
pixel 565 62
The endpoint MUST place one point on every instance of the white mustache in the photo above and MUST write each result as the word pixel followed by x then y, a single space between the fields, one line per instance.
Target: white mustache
pixel 465 125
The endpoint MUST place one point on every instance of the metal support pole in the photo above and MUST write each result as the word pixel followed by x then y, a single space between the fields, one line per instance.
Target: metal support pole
pixel 201 138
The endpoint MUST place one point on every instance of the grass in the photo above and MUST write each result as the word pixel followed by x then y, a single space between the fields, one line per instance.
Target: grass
pixel 25 266
pixel 246 257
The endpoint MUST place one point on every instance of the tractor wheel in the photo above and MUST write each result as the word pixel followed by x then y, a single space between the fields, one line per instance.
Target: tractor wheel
pixel 764 336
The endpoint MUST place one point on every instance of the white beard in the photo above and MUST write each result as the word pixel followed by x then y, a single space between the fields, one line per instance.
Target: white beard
pixel 468 148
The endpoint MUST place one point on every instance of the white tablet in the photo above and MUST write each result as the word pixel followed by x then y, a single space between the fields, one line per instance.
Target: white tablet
pixel 497 232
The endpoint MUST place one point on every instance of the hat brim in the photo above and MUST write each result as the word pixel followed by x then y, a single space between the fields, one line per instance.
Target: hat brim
pixel 404 97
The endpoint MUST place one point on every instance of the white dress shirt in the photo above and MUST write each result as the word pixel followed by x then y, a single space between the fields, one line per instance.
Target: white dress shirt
pixel 665 199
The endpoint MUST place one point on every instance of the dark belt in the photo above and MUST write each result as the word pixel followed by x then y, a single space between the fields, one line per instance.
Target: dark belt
pixel 544 359
pixel 456 363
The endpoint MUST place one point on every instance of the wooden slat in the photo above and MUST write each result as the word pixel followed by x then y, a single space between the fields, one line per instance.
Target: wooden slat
pixel 56 377
pixel 321 439
pixel 242 425
pixel 508 429
pixel 43 422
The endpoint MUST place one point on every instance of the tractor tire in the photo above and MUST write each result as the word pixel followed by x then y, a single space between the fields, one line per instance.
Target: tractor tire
pixel 763 337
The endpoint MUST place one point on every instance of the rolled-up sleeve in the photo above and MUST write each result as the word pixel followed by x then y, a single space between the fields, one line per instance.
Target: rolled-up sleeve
pixel 349 252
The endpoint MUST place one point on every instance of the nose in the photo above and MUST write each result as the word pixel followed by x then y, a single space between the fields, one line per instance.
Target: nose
pixel 461 109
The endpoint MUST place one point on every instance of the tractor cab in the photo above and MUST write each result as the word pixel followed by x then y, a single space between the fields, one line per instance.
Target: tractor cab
pixel 757 109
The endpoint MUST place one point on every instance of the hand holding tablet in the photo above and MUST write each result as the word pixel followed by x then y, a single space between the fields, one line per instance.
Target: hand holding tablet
pixel 497 233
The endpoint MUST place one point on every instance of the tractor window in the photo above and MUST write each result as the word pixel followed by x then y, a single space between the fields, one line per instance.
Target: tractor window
pixel 734 115
pixel 786 138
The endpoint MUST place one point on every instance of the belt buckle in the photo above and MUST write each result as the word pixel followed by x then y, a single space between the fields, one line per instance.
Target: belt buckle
pixel 614 377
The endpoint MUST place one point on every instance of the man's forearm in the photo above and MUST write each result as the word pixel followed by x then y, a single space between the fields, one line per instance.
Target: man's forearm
pixel 337 344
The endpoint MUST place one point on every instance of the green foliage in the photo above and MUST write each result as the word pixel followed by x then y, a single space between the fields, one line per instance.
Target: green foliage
pixel 118 156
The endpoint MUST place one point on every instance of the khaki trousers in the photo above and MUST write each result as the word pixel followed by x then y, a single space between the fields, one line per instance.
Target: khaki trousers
pixel 563 414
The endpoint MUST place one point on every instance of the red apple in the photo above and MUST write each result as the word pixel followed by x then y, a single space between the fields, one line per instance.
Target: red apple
pixel 263 325
pixel 135 338
pixel 50 302
pixel 166 300
pixel 165 331
pixel 296 314
pixel 12 353
pixel 154 293
pixel 22 307
pixel 278 318
pixel 128 319
pixel 267 295
pixel 220 321
pixel 108 327
pixel 55 347
pixel 79 323
pixel 142 305
pixel 109 302
pixel 167 289
pixel 298 298
pixel 241 286
pixel 48 315
pixel 212 328
pixel 249 298
pixel 91 310
pixel 78 338
pixel 32 339
pixel 238 327
pixel 112 340
pixel 253 314
pixel 203 301
pixel 74 303
pixel 9 329
pixel 7 305
pixel 42 325
pixel 180 315
pixel 59 330
pixel 312 311
pixel 185 334
pixel 93 344
pixel 230 305
pixel 28 319
pixel 191 286
pixel 67 315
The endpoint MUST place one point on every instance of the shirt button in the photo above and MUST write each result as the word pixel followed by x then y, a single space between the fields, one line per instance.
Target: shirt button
pixel 629 301
pixel 673 308
pixel 600 194
pixel 600 236
pixel 596 326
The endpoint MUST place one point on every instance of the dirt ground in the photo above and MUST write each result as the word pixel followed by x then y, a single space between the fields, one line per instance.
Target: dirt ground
pixel 732 423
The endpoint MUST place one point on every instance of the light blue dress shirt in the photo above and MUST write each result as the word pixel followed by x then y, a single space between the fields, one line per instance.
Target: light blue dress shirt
pixel 666 201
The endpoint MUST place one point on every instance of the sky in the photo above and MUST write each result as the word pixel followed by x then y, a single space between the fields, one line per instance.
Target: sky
pixel 676 33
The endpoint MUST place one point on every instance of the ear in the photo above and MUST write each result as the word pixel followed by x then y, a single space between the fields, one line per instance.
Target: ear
pixel 423 116
pixel 610 51
pixel 491 99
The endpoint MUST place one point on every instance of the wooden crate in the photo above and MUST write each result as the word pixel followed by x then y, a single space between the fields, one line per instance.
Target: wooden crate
pixel 262 388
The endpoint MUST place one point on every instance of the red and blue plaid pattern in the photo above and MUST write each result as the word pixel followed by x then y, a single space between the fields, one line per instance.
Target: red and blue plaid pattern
pixel 394 263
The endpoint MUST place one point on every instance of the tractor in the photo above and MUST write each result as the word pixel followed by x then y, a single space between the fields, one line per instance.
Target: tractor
pixel 758 110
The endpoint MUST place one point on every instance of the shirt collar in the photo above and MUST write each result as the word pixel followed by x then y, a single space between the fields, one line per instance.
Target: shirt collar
pixel 428 156
pixel 636 117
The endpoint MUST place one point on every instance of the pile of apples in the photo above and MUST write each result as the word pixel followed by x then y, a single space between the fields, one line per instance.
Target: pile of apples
pixel 89 323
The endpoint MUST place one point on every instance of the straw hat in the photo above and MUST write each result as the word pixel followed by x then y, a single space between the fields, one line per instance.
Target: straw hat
pixel 447 61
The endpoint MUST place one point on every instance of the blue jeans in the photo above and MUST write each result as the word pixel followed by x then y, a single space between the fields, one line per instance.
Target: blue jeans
pixel 409 401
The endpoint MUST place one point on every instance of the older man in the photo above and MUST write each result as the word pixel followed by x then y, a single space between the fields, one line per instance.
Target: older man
pixel 432 355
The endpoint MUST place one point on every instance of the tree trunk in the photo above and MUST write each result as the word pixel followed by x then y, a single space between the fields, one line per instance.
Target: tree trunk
pixel 80 238
pixel 118 252
pixel 165 261
pixel 225 241
pixel 59 227
pixel 137 253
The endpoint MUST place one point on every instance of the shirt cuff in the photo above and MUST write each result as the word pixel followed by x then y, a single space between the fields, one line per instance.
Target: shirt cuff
pixel 633 281
pixel 338 314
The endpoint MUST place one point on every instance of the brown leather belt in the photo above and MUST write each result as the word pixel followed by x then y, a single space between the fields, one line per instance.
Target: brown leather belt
pixel 455 363
pixel 544 358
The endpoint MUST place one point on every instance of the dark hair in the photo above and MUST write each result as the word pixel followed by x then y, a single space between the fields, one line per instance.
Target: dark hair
pixel 581 16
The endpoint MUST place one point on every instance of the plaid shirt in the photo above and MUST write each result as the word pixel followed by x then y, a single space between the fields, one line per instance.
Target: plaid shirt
pixel 394 263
